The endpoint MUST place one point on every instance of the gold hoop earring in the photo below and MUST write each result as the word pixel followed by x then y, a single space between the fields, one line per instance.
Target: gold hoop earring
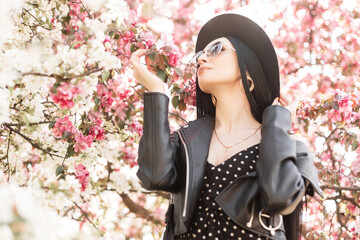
pixel 252 84
pixel 214 100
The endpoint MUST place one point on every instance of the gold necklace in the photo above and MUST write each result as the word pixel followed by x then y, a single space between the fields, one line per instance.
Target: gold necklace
pixel 227 147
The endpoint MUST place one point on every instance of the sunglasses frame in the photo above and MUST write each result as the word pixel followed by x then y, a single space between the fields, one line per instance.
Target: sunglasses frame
pixel 194 60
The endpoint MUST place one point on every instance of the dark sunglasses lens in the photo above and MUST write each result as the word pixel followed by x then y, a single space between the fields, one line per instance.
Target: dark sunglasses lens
pixel 214 49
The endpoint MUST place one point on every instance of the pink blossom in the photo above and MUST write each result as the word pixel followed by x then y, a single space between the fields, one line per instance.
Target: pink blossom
pixel 107 43
pixel 65 94
pixel 63 125
pixel 136 127
pixel 334 115
pixel 173 59
pixel 128 36
pixel 82 175
pixel 96 131
pixel 106 99
pixel 345 110
pixel 82 142
pixel 345 107
pixel 149 43
pixel 355 116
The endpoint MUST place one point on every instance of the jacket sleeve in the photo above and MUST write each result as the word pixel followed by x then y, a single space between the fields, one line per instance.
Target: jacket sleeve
pixel 158 149
pixel 281 184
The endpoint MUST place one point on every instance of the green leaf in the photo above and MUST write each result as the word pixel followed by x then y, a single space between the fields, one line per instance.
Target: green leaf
pixel 87 130
pixel 59 170
pixel 105 75
pixel 347 143
pixel 55 86
pixel 175 101
pixel 111 33
pixel 117 36
pixel 182 105
pixel 97 100
pixel 128 114
pixel 161 74
pixel 97 107
pixel 166 60
pixel 66 135
pixel 70 151
pixel 51 124
pixel 133 48
pixel 335 106
pixel 354 145
pixel 152 56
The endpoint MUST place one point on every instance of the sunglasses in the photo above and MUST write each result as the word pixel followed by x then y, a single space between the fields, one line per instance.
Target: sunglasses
pixel 210 52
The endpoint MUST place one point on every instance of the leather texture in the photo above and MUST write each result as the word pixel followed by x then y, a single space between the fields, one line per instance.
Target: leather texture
pixel 175 162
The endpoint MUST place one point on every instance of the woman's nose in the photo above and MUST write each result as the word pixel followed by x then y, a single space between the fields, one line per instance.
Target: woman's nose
pixel 202 58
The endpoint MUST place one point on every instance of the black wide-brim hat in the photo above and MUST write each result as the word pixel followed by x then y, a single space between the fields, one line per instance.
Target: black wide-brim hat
pixel 248 32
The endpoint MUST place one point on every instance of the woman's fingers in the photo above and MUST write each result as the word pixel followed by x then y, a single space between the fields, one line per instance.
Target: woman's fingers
pixel 283 101
pixel 135 56
pixel 135 60
pixel 276 101
pixel 144 75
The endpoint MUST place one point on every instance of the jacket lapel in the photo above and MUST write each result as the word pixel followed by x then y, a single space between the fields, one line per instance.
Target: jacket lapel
pixel 197 135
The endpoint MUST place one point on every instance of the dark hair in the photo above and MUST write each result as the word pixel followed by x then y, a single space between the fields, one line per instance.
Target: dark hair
pixel 293 223
pixel 261 97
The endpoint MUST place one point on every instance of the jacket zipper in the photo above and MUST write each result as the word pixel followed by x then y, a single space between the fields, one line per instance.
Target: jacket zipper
pixel 187 174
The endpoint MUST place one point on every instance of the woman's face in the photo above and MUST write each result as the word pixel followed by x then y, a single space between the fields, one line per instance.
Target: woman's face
pixel 223 68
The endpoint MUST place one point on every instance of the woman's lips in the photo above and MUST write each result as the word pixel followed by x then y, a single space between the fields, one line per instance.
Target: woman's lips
pixel 201 69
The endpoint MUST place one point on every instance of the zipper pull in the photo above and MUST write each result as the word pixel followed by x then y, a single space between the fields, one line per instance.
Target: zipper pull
pixel 249 223
pixel 270 228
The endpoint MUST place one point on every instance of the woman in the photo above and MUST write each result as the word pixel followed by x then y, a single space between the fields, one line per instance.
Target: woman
pixel 234 171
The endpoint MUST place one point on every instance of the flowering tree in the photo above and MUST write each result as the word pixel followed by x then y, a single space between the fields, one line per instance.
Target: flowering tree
pixel 72 111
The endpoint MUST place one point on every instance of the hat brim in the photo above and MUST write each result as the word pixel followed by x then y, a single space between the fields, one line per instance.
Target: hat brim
pixel 248 32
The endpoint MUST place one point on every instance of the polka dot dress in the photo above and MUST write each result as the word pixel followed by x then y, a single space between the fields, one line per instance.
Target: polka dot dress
pixel 209 220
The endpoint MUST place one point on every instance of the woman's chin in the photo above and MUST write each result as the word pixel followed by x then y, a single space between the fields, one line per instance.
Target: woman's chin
pixel 207 85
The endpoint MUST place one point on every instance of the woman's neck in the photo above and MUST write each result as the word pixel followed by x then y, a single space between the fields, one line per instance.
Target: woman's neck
pixel 233 113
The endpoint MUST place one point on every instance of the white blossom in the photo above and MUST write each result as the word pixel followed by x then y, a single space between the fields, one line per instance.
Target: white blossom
pixel 4 105
pixel 18 202
pixel 94 5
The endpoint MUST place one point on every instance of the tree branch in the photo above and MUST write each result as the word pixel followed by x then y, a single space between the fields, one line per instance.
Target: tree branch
pixel 58 76
pixel 86 215
pixel 23 124
pixel 139 210
pixel 86 11
pixel 33 143
pixel 343 197
pixel 338 188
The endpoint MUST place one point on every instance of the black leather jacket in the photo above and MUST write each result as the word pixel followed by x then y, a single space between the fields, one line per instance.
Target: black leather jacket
pixel 176 163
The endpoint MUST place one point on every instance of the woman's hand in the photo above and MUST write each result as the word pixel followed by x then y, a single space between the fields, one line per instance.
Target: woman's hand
pixel 147 77
pixel 292 107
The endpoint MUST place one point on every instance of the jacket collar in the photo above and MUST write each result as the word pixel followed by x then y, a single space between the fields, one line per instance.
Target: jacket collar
pixel 197 135
pixel 201 130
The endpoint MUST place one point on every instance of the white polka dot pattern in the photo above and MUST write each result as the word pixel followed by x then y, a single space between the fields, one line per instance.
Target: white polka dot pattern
pixel 209 220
